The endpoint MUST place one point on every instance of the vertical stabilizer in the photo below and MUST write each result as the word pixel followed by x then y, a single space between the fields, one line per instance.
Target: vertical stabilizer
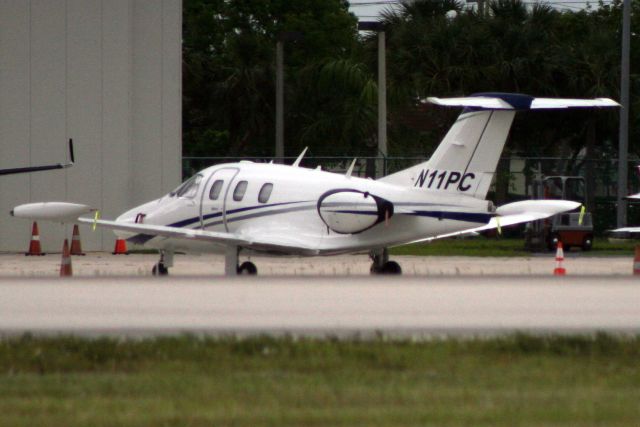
pixel 466 159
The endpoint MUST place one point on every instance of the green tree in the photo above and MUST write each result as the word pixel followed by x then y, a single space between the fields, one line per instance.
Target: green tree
pixel 229 76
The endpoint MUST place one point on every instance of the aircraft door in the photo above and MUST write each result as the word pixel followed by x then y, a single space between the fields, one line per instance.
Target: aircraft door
pixel 212 206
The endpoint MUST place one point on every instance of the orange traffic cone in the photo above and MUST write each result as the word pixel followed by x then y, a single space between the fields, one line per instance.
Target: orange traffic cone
pixel 559 270
pixel 121 247
pixel 76 246
pixel 34 245
pixel 636 262
pixel 65 265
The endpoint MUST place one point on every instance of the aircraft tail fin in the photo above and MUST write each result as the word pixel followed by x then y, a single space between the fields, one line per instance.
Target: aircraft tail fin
pixel 466 159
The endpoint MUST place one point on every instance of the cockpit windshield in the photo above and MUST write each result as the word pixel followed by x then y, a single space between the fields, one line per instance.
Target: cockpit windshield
pixel 189 188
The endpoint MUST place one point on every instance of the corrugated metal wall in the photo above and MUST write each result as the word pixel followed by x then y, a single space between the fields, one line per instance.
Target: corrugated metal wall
pixel 106 73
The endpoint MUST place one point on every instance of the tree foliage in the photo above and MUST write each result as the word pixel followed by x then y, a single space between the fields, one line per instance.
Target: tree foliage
pixel 330 97
pixel 229 69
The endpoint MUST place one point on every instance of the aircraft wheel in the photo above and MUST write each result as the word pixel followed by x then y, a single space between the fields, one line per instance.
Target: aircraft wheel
pixel 247 268
pixel 159 270
pixel 389 267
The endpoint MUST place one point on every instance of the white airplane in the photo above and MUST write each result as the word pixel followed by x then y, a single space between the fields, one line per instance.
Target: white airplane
pixel 250 208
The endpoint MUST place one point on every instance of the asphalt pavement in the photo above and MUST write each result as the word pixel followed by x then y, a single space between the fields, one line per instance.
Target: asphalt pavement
pixel 341 306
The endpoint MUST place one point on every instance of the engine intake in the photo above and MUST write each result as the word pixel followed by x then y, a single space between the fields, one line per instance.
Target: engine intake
pixel 348 211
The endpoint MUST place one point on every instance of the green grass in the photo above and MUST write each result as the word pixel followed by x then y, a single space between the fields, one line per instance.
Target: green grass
pixel 186 381
pixel 509 247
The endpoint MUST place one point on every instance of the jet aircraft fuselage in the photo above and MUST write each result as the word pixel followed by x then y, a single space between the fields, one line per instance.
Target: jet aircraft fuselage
pixel 325 213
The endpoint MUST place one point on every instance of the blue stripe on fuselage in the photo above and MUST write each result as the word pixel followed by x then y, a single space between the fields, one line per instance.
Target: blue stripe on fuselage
pixel 482 218
pixel 141 239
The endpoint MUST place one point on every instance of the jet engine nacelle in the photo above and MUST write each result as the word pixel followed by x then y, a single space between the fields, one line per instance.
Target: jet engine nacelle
pixel 347 211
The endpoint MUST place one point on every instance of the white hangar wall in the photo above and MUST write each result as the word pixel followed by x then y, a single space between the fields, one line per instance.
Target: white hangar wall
pixel 106 73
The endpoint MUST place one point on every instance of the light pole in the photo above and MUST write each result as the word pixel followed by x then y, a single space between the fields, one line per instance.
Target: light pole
pixel 382 91
pixel 288 36
pixel 623 145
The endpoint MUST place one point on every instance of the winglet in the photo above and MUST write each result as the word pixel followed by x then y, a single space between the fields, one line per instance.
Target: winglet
pixel 71 156
pixel 350 170
pixel 299 159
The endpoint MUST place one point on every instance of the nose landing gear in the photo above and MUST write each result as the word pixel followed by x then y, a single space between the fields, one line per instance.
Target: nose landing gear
pixel 160 270
pixel 162 267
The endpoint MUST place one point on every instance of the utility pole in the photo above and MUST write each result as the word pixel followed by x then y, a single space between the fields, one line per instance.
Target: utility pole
pixel 289 36
pixel 382 92
pixel 279 101
pixel 382 103
pixel 623 146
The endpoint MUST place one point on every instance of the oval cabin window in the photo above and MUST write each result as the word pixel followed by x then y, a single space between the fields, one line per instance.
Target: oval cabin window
pixel 265 193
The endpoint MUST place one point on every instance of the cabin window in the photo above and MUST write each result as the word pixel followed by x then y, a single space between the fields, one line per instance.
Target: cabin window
pixel 265 193
pixel 238 193
pixel 189 188
pixel 214 193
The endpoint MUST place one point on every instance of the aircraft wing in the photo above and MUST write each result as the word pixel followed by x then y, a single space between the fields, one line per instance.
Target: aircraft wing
pixel 29 169
pixel 71 213
pixel 516 213
pixel 270 244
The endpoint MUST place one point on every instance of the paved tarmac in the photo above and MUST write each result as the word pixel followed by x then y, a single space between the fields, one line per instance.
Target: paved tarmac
pixel 104 264
pixel 316 306
pixel 333 296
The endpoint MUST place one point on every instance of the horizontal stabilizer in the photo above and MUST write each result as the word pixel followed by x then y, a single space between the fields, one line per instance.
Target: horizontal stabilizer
pixel 477 102
pixel 553 103
pixel 512 101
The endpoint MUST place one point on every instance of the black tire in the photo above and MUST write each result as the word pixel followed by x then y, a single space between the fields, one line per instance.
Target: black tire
pixel 159 270
pixel 247 268
pixel 587 243
pixel 391 267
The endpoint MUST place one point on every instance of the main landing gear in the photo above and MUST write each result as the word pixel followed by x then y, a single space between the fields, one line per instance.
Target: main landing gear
pixel 232 266
pixel 381 263
pixel 247 268
pixel 162 267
